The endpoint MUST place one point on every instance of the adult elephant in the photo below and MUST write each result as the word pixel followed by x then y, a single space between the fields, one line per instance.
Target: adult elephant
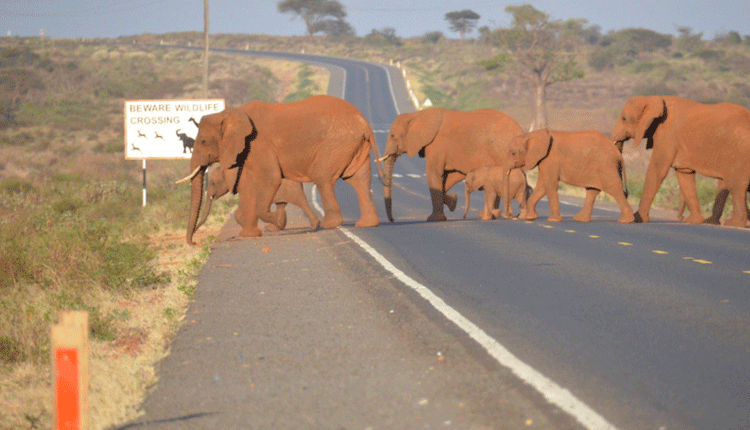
pixel 452 143
pixel 711 139
pixel 319 139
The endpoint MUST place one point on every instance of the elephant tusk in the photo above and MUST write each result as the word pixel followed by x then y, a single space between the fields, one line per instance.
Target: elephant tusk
pixel 190 176
pixel 383 158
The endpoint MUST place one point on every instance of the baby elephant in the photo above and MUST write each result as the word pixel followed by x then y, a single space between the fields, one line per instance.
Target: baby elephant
pixel 586 159
pixel 492 180
pixel 289 192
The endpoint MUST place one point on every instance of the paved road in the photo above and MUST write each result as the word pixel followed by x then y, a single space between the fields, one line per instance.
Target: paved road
pixel 647 326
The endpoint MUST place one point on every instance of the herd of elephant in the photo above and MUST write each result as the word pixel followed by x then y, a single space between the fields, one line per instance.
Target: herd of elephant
pixel 266 151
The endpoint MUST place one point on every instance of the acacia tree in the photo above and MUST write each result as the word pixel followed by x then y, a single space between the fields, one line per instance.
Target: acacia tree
pixel 462 21
pixel 318 15
pixel 543 54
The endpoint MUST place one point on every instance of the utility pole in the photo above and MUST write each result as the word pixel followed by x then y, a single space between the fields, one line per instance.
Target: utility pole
pixel 205 48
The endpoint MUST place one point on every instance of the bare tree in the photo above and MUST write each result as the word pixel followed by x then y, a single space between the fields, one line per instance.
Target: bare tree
pixel 315 13
pixel 542 51
pixel 462 21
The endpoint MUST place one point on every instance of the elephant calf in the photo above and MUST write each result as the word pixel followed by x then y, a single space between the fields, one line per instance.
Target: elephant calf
pixel 289 192
pixel 492 179
pixel 586 159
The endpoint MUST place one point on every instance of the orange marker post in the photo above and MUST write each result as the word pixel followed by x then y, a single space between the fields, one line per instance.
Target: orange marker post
pixel 70 362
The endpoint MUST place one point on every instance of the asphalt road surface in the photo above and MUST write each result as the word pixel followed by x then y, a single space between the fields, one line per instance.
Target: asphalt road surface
pixel 463 324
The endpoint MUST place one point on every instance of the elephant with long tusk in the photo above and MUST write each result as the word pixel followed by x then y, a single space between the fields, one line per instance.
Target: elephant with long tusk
pixel 319 139
pixel 452 143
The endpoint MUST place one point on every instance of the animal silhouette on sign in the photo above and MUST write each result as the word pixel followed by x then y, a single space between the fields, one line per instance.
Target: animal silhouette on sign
pixel 194 121
pixel 135 148
pixel 157 135
pixel 140 134
pixel 187 141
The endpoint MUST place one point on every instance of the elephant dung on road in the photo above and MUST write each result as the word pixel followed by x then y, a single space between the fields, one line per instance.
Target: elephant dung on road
pixel 319 139
pixel 710 139
pixel 452 144
pixel 492 179
pixel 289 192
pixel 587 159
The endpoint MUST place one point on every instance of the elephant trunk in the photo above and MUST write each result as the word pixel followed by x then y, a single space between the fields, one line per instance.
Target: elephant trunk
pixel 388 163
pixel 206 211
pixel 196 199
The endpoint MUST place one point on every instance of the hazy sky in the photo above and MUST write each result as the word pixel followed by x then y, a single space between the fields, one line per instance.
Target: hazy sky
pixel 112 18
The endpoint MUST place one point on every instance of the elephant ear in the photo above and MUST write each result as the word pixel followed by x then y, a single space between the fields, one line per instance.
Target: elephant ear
pixel 538 144
pixel 422 129
pixel 237 131
pixel 652 109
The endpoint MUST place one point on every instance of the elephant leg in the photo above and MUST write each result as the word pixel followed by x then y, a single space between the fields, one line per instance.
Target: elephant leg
pixel 521 199
pixel 451 200
pixel 626 211
pixel 361 184
pixel 489 199
pixel 687 185
pixel 588 206
pixel 265 197
pixel 332 217
pixel 554 205
pixel 246 214
pixel 738 190
pixel 655 174
pixel 281 210
pixel 534 198
pixel 436 182
pixel 294 193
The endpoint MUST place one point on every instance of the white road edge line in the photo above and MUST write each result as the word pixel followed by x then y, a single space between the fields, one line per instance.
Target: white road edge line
pixel 559 396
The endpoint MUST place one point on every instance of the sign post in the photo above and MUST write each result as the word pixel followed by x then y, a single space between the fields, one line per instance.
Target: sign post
pixel 70 371
pixel 164 129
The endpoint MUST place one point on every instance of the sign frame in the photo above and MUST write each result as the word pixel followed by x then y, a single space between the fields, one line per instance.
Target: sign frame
pixel 164 129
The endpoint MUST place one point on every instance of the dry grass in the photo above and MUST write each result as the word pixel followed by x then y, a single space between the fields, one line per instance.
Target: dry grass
pixel 63 178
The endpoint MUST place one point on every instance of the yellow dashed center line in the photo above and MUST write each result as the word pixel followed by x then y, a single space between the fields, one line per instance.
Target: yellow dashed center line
pixel 570 231
pixel 593 236
pixel 547 226
pixel 656 251
pixel 624 243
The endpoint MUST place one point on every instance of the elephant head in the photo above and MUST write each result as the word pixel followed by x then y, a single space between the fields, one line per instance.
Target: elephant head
pixel 223 137
pixel 638 119
pixel 410 133
pixel 526 151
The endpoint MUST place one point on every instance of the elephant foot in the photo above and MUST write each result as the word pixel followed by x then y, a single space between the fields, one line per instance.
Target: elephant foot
pixel 314 224
pixel 451 200
pixel 695 219
pixel 497 213
pixel 531 216
pixel 369 221
pixel 332 222
pixel 251 232
pixel 738 222
pixel 485 216
pixel 625 219
pixel 582 217
pixel 640 218
pixel 437 217
pixel 271 228
pixel 554 218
